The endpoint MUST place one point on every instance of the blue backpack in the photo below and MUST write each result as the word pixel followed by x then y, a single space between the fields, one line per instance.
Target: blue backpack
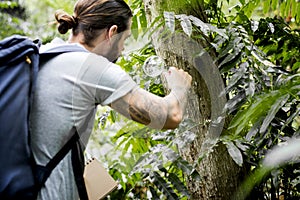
pixel 20 176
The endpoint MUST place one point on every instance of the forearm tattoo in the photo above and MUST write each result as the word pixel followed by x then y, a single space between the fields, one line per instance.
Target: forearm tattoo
pixel 144 108
pixel 148 109
pixel 139 115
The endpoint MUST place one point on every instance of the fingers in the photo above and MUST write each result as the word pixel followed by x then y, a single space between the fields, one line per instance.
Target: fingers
pixel 177 78
pixel 185 75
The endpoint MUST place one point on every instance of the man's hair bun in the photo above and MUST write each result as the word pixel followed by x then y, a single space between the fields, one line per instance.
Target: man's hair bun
pixel 65 21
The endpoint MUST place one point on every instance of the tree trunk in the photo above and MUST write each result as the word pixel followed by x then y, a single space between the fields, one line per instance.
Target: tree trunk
pixel 220 176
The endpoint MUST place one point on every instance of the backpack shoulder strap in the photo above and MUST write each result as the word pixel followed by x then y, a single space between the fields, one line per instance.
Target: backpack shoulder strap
pixel 14 48
pixel 42 173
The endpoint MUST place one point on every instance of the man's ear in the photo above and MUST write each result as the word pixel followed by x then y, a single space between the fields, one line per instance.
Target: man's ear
pixel 112 31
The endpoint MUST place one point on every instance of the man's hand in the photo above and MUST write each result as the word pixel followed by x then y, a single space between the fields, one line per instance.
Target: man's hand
pixel 176 79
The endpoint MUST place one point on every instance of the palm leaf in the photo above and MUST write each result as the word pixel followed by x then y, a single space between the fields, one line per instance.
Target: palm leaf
pixel 163 186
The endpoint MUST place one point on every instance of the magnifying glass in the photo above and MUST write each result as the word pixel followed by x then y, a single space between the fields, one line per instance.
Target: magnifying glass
pixel 154 66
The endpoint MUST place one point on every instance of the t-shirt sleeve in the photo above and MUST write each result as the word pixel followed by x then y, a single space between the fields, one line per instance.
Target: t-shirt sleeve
pixel 114 84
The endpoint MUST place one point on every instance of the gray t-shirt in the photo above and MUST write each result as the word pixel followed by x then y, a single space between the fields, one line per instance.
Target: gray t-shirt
pixel 69 87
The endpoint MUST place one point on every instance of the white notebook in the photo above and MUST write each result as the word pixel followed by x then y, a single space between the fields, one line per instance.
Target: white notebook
pixel 97 180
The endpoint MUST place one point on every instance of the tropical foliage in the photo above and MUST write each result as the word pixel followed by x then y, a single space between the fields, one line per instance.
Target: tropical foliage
pixel 258 58
pixel 12 15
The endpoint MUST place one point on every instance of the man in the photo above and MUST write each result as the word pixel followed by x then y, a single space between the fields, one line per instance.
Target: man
pixel 71 85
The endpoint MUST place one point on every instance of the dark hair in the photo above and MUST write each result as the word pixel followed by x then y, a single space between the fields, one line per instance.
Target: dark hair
pixel 92 16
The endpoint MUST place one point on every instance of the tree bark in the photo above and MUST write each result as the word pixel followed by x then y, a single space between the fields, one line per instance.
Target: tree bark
pixel 220 176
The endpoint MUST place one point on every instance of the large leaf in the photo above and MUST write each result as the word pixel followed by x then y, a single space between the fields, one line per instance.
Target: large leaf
pixel 230 50
pixel 234 152
pixel 272 112
pixel 256 109
pixel 267 104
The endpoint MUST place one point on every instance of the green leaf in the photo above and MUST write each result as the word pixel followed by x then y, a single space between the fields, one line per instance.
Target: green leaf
pixel 274 4
pixel 296 65
pixel 127 130
pixel 240 73
pixel 219 31
pixel 287 8
pixel 248 8
pixel 254 25
pixel 185 24
pixel 184 165
pixel 260 106
pixel 272 112
pixel 195 175
pixel 147 163
pixel 229 49
pixel 203 26
pixel 134 27
pixel 163 186
pixel 233 55
pixel 282 8
pixel 184 139
pixel 153 193
pixel 242 2
pixel 128 142
pixel 8 4
pixel 234 152
pixel 233 103
pixel 298 11
pixel 177 183
pixel 291 118
pixel 254 130
pixel 162 136
pixel 250 90
pixel 271 27
pixel 158 25
pixel 143 19
pixel 170 20
pixel 294 7
pixel 167 153
pixel 266 6
pixel 112 115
